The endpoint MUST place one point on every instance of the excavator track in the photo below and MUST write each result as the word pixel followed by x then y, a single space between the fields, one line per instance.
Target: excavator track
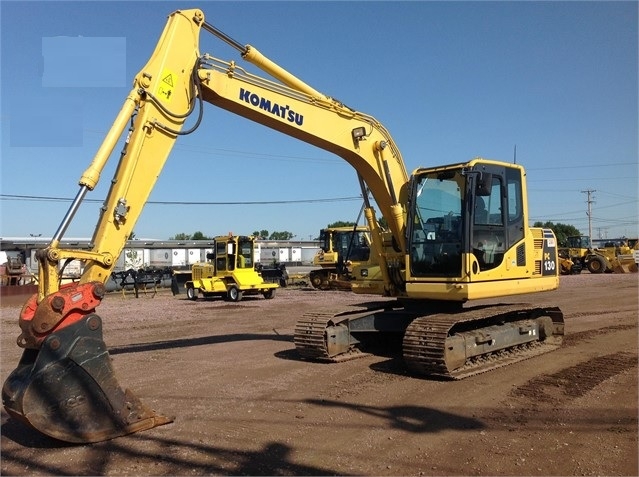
pixel 310 332
pixel 445 345
pixel 324 335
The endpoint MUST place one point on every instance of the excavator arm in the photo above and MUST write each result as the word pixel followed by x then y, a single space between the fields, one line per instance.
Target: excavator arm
pixel 64 385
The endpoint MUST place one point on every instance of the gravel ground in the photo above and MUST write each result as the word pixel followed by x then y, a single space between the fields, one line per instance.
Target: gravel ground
pixel 245 404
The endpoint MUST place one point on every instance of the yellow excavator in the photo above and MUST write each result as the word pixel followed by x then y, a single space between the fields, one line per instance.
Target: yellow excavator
pixel 456 233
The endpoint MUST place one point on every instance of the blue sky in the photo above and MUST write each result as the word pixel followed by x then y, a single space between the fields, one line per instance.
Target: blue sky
pixel 449 80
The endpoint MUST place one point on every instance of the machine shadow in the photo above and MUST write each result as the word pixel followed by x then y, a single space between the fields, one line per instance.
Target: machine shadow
pixel 203 340
pixel 23 435
pixel 273 458
pixel 413 419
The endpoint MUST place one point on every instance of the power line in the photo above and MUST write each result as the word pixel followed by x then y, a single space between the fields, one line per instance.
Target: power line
pixel 634 199
pixel 212 151
pixel 575 179
pixel 164 202
pixel 572 167
pixel 206 150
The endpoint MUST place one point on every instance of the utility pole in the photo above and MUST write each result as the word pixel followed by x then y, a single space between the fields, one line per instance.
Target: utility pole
pixel 589 201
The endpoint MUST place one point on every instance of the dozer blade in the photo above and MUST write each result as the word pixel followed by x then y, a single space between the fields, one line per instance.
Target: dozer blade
pixel 67 389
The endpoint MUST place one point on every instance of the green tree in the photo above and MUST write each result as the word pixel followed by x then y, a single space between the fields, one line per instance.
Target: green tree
pixel 562 231
pixel 340 223
pixel 281 235
pixel 199 236
pixel 262 234
pixel 181 236
pixel 383 223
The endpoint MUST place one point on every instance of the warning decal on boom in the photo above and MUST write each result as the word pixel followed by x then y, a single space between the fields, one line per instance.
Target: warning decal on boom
pixel 165 88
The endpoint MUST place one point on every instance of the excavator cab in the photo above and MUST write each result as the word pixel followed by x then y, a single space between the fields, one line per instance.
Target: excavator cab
pixel 467 225
pixel 458 214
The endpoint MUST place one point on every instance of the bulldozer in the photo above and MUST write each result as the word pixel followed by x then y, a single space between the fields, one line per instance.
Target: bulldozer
pixel 341 248
pixel 457 233
pixel 566 265
pixel 230 272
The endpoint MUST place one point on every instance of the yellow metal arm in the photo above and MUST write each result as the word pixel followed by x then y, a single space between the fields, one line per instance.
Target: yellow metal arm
pixel 165 92
pixel 162 97
pixel 314 118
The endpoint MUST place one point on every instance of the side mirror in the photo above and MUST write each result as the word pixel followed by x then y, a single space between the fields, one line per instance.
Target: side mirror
pixel 484 184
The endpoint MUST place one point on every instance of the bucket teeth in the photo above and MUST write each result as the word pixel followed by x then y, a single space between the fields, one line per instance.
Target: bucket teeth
pixel 68 390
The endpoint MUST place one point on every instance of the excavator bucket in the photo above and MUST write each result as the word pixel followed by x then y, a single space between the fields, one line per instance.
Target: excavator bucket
pixel 67 389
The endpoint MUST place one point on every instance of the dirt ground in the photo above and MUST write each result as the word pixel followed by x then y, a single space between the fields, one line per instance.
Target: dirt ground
pixel 244 404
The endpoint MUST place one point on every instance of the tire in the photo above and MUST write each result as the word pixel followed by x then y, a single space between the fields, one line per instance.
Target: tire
pixel 234 293
pixel 191 293
pixel 596 265
pixel 316 279
pixel 269 294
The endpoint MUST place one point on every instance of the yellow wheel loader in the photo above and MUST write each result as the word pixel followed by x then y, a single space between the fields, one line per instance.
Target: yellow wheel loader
pixel 456 233
pixel 619 255
pixel 230 272
pixel 611 258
